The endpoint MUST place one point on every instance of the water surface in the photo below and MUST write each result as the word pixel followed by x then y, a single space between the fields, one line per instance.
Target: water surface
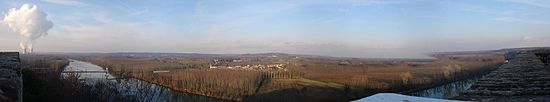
pixel 137 90
pixel 447 91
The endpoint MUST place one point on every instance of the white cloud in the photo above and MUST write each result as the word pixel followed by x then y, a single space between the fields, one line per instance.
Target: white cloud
pixel 538 3
pixel 536 38
pixel 236 18
pixel 121 26
pixel 519 20
pixel 67 2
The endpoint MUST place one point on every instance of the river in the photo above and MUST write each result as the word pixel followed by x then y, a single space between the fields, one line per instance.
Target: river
pixel 446 91
pixel 141 91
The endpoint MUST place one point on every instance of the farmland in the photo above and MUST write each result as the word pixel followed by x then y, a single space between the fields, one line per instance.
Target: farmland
pixel 298 78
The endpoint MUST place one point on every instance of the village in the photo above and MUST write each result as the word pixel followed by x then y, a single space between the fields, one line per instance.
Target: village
pixel 238 64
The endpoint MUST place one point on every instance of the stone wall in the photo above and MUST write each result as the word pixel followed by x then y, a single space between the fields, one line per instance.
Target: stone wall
pixel 11 84
pixel 544 56
pixel 524 78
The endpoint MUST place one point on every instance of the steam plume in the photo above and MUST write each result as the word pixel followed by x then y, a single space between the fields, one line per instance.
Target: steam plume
pixel 30 23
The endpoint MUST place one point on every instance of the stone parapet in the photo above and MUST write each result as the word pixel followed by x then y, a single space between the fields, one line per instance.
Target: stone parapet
pixel 11 83
pixel 525 75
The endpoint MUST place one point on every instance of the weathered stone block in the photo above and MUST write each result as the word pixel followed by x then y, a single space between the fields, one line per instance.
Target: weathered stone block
pixel 11 84
pixel 524 75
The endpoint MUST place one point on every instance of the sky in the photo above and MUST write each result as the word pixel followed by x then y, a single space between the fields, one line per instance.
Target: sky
pixel 344 28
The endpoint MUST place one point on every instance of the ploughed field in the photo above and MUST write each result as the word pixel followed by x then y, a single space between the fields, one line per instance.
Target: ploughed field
pixel 287 77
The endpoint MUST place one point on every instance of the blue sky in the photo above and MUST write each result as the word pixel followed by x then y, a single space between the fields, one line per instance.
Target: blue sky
pixel 350 28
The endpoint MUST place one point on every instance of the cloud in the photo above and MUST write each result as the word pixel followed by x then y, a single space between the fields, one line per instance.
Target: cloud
pixel 536 38
pixel 67 2
pixel 519 20
pixel 538 3
pixel 476 10
pixel 30 22
pixel 245 27
pixel 240 17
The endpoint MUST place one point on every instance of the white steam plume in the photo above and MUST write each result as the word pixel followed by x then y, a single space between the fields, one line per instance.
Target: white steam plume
pixel 30 23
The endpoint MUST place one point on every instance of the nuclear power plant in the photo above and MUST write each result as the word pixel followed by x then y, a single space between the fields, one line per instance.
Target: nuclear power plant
pixel 30 22
pixel 27 50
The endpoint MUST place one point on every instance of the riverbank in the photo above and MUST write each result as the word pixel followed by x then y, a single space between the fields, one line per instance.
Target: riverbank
pixel 393 97
pixel 134 87
pixel 480 74
pixel 446 91
pixel 185 91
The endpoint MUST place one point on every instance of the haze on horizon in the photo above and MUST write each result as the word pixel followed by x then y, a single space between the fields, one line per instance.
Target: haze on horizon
pixel 349 28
